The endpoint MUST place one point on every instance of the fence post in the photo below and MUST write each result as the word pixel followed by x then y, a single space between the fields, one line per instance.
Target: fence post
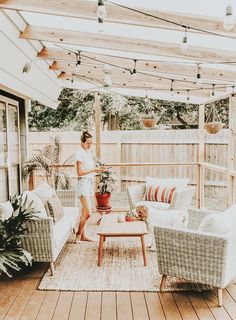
pixel 231 148
pixel 201 157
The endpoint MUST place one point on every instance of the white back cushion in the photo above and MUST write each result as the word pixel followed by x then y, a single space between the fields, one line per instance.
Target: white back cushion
pixel 44 191
pixel 219 222
pixel 37 203
pixel 178 183
pixel 6 210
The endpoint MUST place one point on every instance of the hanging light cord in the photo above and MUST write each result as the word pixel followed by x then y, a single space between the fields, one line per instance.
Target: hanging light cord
pixel 171 22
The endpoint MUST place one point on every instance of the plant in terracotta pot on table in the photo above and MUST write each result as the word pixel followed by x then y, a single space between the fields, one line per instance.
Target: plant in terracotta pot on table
pixel 107 183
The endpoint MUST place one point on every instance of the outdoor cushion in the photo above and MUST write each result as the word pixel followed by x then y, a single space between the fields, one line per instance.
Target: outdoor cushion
pixel 72 214
pixel 37 203
pixel 44 191
pixel 153 205
pixel 54 208
pixel 219 222
pixel 169 218
pixel 6 210
pixel 159 193
pixel 60 231
pixel 178 183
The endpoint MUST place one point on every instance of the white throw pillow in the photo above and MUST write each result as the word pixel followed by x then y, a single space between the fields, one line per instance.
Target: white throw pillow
pixel 178 183
pixel 219 222
pixel 37 203
pixel 44 191
pixel 6 210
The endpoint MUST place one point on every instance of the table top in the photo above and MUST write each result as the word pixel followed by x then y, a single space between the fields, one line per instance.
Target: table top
pixel 110 226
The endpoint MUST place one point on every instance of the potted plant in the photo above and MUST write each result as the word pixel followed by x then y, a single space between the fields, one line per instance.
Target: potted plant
pixel 107 183
pixel 149 119
pixel 12 254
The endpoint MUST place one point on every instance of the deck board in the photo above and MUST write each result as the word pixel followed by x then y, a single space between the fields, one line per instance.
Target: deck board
pixel 20 300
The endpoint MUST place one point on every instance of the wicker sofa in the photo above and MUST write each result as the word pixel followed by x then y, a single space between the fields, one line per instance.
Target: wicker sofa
pixel 199 256
pixel 44 238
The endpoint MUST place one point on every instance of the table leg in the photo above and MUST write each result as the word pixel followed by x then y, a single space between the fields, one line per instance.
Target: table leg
pixel 100 250
pixel 143 250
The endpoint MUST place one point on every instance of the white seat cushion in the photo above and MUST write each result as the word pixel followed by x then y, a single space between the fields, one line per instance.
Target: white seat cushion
pixel 219 222
pixel 61 229
pixel 169 218
pixel 72 214
pixel 154 205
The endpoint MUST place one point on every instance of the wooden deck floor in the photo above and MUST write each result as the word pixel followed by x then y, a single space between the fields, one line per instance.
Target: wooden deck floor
pixel 20 299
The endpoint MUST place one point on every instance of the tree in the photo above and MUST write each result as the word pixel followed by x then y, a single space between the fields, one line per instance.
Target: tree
pixel 76 112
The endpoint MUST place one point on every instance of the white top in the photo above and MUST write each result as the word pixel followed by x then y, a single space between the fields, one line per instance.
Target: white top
pixel 87 162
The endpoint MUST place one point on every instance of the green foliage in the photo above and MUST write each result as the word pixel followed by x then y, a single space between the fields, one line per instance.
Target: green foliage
pixel 76 112
pixel 12 255
pixel 43 163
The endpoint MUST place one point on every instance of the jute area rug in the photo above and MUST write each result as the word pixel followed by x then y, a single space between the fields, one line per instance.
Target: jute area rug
pixel 122 269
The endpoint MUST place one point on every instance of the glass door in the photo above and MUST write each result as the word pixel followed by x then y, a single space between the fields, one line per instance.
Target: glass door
pixel 10 164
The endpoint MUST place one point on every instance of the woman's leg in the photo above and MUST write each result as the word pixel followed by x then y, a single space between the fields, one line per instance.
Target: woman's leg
pixel 86 213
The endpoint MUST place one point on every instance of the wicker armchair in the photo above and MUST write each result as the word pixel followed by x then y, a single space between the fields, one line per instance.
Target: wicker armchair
pixel 181 200
pixel 196 256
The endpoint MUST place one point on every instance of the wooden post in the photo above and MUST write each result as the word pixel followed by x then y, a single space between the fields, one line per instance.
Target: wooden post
pixel 98 124
pixel 231 148
pixel 201 157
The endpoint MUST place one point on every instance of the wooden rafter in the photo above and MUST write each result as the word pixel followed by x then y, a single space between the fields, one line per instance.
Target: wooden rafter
pixel 87 10
pixel 67 60
pixel 123 44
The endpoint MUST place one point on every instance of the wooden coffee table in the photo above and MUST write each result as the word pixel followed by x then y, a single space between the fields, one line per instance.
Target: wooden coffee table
pixel 110 227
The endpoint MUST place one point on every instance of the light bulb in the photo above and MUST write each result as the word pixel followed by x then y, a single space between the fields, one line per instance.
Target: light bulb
pixel 134 75
pixel 100 25
pixel 184 45
pixel 199 79
pixel 108 80
pixel 228 20
pixel 101 10
pixel 77 67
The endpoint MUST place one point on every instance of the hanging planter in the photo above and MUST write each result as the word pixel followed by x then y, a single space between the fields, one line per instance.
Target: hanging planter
pixel 215 125
pixel 149 122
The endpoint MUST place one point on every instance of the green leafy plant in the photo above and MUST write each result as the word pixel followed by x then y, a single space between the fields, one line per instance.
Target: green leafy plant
pixel 12 255
pixel 44 163
pixel 107 180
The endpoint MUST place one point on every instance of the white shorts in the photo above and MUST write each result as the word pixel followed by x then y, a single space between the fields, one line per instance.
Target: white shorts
pixel 84 187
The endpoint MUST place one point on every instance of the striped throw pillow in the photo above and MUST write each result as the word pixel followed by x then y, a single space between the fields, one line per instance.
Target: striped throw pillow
pixel 159 193
pixel 54 208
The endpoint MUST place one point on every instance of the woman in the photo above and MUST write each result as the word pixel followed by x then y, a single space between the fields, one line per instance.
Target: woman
pixel 86 171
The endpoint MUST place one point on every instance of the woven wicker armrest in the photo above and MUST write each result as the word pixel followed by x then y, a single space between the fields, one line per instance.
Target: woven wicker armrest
pixel 136 194
pixel 192 255
pixel 67 197
pixel 196 216
pixel 38 239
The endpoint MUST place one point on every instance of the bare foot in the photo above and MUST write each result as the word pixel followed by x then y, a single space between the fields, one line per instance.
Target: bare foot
pixel 84 238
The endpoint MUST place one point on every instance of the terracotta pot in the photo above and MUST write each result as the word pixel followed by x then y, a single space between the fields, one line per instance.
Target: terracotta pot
pixel 149 123
pixel 103 200
pixel 213 127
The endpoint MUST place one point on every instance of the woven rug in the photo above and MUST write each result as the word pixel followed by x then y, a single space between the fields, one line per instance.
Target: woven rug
pixel 122 269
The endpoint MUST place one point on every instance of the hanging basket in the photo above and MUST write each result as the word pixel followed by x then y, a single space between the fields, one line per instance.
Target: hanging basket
pixel 213 127
pixel 149 122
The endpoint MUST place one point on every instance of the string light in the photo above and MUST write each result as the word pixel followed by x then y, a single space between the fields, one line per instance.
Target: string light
pixel 171 87
pixel 107 80
pixel 134 71
pixel 72 78
pixel 78 63
pixel 228 20
pixel 199 78
pixel 188 98
pixel 184 44
pixel 213 90
pixel 101 10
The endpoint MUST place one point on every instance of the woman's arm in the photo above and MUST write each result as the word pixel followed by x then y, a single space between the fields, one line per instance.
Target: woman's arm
pixel 84 172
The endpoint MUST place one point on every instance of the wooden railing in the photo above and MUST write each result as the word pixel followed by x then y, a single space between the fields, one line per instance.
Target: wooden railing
pixel 200 176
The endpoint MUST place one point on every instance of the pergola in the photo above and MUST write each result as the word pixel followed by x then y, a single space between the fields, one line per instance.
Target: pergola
pixel 140 51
